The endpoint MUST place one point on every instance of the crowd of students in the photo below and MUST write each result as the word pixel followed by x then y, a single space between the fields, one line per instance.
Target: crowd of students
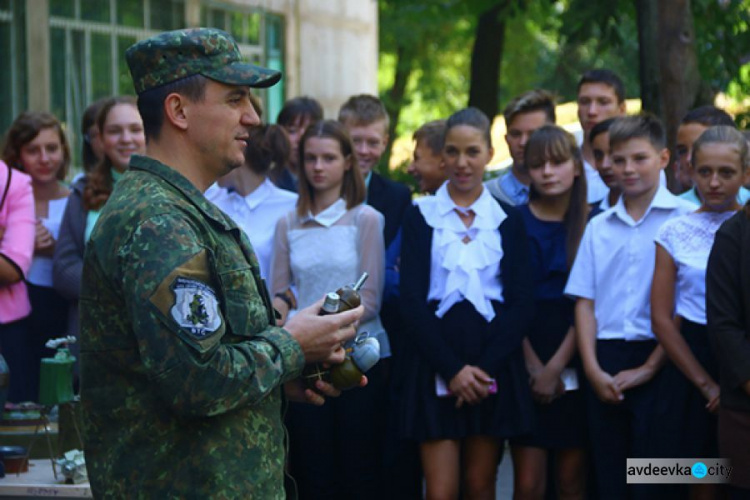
pixel 564 306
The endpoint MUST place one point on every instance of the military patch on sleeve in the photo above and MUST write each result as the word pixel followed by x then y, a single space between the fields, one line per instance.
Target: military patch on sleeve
pixel 195 308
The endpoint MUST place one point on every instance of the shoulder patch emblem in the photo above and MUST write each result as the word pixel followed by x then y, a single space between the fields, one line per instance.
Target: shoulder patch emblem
pixel 196 308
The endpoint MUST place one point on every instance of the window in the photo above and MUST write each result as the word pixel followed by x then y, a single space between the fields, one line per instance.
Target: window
pixel 13 99
pixel 88 39
pixel 260 38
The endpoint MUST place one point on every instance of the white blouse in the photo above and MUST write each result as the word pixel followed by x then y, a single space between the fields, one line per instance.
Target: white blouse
pixel 461 270
pixel 317 254
pixel 256 214
pixel 40 273
pixel 688 240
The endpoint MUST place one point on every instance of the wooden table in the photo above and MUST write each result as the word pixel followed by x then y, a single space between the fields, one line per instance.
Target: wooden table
pixel 40 482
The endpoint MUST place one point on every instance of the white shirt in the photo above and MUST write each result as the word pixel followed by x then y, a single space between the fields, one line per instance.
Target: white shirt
pixel 464 270
pixel 40 273
pixel 317 254
pixel 256 214
pixel 688 239
pixel 614 266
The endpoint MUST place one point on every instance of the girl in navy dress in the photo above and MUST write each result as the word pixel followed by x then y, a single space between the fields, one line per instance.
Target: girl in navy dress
pixel 467 302
pixel 689 391
pixel 555 218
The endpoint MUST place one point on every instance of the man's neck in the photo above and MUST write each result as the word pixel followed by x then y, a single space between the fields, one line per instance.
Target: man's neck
pixel 637 206
pixel 177 156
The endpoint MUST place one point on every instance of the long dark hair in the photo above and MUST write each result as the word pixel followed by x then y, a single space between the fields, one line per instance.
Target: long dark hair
pixel 88 156
pixel 554 143
pixel 267 149
pixel 99 182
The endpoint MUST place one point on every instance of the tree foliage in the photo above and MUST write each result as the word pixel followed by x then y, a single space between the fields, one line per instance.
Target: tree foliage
pixel 546 44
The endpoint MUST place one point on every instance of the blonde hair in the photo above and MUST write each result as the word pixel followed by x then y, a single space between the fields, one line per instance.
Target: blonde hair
pixel 723 134
pixel 363 110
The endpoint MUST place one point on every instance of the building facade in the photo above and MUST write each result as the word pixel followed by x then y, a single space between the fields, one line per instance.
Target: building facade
pixel 61 55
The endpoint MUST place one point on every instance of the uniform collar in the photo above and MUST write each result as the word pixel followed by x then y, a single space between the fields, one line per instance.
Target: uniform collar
pixel 487 212
pixel 329 216
pixel 663 199
pixel 180 183
pixel 261 193
pixel 511 183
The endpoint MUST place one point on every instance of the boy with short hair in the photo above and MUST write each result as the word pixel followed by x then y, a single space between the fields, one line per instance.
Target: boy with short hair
pixel 611 280
pixel 523 115
pixel 601 95
pixel 695 122
pixel 427 166
pixel 366 120
pixel 599 140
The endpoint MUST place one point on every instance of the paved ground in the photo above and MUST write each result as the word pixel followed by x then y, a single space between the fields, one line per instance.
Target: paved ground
pixel 504 487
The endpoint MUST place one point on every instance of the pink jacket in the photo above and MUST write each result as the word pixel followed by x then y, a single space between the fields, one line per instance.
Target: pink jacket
pixel 17 244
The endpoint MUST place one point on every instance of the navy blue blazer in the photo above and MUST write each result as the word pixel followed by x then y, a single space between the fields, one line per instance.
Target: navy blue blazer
pixel 391 199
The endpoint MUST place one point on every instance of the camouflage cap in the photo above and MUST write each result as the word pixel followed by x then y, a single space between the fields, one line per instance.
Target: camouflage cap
pixel 174 55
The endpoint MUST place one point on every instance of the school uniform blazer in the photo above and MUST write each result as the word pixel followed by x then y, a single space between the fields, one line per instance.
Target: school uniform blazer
pixel 390 199
pixel 727 311
pixel 508 327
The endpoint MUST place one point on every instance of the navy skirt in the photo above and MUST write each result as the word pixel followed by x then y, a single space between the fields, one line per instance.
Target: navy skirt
pixel 683 427
pixel 560 424
pixel 425 416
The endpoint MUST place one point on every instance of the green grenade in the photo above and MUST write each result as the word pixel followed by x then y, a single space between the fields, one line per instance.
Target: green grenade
pixel 363 352
pixel 347 374
pixel 317 371
pixel 360 357
pixel 349 295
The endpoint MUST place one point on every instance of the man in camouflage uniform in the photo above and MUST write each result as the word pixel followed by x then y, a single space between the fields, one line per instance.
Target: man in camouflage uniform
pixel 181 366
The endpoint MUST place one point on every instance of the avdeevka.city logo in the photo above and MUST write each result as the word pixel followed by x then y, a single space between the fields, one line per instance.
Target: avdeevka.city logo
pixel 678 470
pixel 699 470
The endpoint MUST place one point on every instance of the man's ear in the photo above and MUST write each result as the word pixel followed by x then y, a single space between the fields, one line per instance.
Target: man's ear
pixel 175 112
pixel 664 158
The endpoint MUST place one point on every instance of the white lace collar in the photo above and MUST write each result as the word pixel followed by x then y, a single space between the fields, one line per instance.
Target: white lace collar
pixel 329 216
pixel 464 263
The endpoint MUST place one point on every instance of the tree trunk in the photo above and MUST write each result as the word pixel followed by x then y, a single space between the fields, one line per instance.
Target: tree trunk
pixel 486 57
pixel 394 98
pixel 680 77
pixel 647 16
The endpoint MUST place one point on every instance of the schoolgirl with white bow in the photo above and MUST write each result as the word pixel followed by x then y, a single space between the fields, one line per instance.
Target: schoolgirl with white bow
pixel 468 301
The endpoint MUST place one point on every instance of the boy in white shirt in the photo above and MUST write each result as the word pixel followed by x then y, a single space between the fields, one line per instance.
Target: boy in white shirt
pixel 611 280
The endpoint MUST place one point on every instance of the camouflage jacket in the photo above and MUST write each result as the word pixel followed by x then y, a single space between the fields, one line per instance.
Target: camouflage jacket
pixel 181 368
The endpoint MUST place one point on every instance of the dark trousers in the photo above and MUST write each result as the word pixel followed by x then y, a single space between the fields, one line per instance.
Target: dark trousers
pixel 336 450
pixel 402 468
pixel 48 320
pixel 13 345
pixel 620 431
